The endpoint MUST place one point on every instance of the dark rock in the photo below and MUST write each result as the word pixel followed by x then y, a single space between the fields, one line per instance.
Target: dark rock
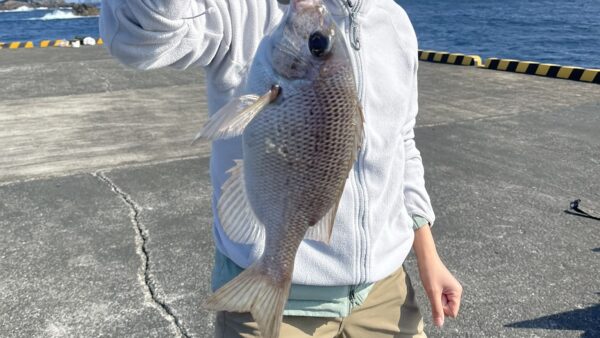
pixel 12 5
pixel 85 10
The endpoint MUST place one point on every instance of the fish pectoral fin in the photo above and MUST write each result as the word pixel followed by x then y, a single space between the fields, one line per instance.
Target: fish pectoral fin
pixel 322 230
pixel 220 125
pixel 232 119
pixel 235 214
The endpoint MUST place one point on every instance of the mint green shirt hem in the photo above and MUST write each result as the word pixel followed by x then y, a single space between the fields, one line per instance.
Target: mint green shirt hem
pixel 308 300
pixel 419 222
pixel 325 301
pixel 304 300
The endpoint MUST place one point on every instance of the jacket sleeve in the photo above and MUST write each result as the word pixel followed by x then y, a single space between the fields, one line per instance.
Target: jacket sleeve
pixel 416 198
pixel 148 34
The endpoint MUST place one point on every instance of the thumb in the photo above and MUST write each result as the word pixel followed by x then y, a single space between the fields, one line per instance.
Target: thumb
pixel 437 309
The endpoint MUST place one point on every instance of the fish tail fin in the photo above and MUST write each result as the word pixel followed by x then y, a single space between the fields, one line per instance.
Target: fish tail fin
pixel 255 292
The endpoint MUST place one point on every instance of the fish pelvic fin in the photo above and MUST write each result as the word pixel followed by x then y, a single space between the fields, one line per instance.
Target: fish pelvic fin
pixel 255 292
pixel 231 120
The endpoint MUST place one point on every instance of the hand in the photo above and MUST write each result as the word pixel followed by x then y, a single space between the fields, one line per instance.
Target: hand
pixel 443 290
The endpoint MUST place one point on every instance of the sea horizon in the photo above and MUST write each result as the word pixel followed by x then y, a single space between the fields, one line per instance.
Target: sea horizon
pixel 542 30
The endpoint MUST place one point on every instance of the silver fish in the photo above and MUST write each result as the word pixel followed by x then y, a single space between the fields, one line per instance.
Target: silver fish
pixel 300 141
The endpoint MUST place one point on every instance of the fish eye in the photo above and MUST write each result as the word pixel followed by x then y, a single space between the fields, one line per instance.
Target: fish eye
pixel 319 44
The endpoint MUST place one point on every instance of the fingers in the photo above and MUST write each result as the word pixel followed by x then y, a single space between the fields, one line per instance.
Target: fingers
pixel 444 303
pixel 437 308
pixel 446 306
pixel 454 303
pixel 451 302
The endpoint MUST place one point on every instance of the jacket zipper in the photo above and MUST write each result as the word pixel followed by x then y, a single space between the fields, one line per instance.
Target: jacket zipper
pixel 353 7
pixel 354 30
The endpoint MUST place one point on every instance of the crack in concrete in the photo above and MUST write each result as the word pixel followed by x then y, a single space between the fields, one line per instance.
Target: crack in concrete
pixel 141 238
pixel 467 120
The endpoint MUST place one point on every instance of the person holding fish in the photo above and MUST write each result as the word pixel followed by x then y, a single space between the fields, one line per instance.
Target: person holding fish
pixel 319 190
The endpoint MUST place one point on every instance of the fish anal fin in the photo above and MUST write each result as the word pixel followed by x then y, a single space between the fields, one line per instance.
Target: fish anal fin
pixel 322 230
pixel 360 133
pixel 255 292
pixel 235 214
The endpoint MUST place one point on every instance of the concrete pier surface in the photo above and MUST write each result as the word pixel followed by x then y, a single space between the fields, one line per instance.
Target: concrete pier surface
pixel 105 214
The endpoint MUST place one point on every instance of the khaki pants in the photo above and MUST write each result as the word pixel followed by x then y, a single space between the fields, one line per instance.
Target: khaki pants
pixel 390 310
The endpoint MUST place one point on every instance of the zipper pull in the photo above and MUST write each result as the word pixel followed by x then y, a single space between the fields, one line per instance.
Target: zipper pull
pixel 351 296
pixel 354 30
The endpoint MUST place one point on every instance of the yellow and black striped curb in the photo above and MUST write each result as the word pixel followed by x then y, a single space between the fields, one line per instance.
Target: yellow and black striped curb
pixel 42 44
pixel 15 45
pixel 544 69
pixel 515 66
pixel 450 58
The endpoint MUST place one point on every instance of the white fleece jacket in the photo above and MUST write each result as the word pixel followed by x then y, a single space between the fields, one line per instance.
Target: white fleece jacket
pixel 373 230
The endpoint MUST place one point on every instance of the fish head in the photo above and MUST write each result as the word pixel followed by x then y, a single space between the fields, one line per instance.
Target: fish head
pixel 307 39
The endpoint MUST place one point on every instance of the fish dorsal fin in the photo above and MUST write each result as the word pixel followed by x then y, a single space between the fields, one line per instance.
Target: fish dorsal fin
pixel 232 119
pixel 235 214
pixel 322 230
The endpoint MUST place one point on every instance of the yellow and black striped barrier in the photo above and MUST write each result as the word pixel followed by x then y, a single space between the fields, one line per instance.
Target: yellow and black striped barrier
pixel 42 44
pixel 544 69
pixel 16 45
pixel 52 43
pixel 450 58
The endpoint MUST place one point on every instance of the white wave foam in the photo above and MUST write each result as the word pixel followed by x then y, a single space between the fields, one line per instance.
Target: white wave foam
pixel 24 9
pixel 60 15
pixel 19 9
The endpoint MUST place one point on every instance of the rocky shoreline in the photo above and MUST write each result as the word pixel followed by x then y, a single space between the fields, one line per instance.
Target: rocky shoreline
pixel 78 9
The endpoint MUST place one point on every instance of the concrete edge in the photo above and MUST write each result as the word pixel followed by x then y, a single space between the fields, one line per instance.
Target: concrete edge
pixel 125 165
pixel 42 44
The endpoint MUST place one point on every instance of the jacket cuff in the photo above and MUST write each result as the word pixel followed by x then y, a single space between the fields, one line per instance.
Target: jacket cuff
pixel 419 222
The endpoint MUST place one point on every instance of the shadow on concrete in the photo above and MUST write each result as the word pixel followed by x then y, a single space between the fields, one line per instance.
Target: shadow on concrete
pixel 578 320
pixel 582 215
pixel 575 209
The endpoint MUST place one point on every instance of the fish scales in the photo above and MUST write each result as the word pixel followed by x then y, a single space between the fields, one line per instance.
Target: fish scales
pixel 297 156
pixel 297 149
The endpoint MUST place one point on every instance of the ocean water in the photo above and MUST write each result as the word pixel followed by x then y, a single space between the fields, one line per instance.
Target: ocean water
pixel 561 32
pixel 552 31
pixel 45 24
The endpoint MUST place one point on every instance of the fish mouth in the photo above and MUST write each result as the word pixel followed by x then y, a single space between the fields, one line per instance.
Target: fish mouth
pixel 303 4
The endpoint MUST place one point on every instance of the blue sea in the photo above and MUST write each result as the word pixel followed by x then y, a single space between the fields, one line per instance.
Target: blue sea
pixel 561 32
pixel 565 32
pixel 45 24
